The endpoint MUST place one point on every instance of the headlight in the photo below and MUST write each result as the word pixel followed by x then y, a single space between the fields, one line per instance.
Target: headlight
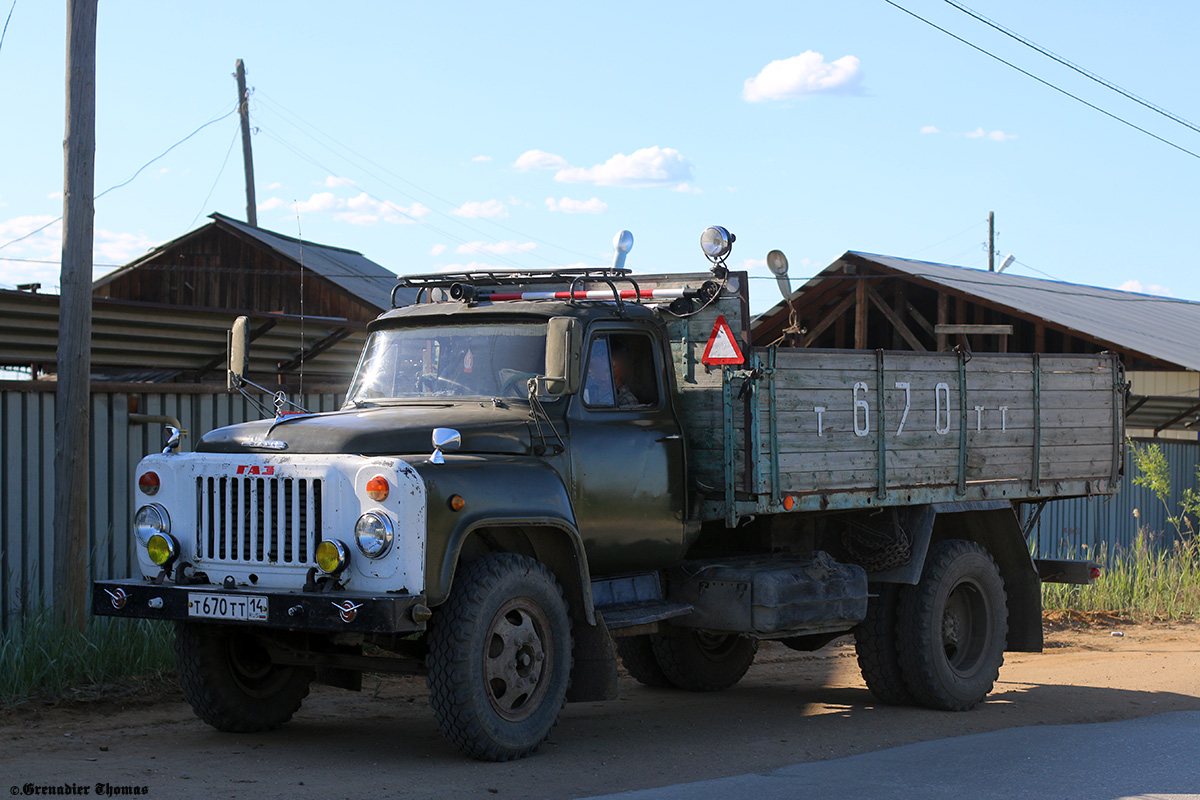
pixel 150 520
pixel 716 242
pixel 374 533
pixel 332 557
pixel 162 549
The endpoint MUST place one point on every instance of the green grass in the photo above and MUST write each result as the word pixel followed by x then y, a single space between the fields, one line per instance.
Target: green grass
pixel 40 658
pixel 1144 582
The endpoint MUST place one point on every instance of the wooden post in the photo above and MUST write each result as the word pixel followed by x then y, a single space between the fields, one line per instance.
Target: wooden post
pixel 72 407
pixel 860 313
pixel 991 241
pixel 943 318
pixel 247 156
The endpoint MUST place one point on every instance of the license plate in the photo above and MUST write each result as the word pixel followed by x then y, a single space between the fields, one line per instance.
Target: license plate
pixel 250 608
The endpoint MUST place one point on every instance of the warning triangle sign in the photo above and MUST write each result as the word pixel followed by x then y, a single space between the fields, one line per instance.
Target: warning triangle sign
pixel 722 347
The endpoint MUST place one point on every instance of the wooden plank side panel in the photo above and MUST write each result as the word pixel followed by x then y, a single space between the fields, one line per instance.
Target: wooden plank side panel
pixel 827 408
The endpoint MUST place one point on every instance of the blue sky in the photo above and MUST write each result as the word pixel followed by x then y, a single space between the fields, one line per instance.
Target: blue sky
pixel 434 135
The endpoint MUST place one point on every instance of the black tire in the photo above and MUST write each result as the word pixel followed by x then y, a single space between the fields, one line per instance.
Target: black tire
pixel 229 680
pixel 876 646
pixel 952 626
pixel 703 662
pixel 637 654
pixel 502 606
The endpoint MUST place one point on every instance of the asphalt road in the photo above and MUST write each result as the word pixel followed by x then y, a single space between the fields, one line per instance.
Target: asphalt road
pixel 1149 757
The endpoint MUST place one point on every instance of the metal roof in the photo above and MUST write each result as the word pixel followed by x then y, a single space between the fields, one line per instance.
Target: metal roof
pixel 145 341
pixel 349 269
pixel 1160 327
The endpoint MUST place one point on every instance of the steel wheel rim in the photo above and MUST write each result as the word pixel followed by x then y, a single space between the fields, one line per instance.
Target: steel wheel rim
pixel 251 667
pixel 966 623
pixel 716 646
pixel 517 655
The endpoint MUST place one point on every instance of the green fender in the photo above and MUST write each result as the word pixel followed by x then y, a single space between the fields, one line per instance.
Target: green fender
pixel 512 504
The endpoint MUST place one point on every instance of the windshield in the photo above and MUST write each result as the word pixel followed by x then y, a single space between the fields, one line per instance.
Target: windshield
pixel 484 360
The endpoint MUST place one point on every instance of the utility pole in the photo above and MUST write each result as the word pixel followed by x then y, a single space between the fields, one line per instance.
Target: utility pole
pixel 72 405
pixel 991 241
pixel 247 157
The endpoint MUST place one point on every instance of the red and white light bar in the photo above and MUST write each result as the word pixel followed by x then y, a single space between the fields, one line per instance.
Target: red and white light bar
pixel 589 294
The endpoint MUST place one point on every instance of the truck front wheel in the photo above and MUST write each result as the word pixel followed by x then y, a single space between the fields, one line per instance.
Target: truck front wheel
pixel 228 678
pixel 500 657
pixel 703 662
pixel 952 627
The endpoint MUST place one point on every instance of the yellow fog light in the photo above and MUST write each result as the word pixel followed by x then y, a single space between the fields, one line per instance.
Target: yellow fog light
pixel 332 557
pixel 162 549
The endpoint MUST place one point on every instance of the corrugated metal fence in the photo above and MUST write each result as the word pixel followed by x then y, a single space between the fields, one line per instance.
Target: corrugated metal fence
pixel 27 474
pixel 1076 528
pixel 27 484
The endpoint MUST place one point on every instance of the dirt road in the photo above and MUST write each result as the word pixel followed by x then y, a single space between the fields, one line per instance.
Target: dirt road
pixel 791 707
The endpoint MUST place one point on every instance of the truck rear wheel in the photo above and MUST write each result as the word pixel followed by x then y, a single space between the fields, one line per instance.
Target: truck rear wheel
pixel 703 662
pixel 876 646
pixel 952 627
pixel 228 678
pixel 637 654
pixel 500 657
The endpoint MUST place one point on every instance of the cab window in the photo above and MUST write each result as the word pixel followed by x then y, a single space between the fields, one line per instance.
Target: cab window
pixel 620 372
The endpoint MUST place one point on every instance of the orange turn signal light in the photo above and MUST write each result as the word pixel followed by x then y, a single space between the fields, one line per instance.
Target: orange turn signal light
pixel 377 488
pixel 149 483
pixel 456 503
pixel 789 503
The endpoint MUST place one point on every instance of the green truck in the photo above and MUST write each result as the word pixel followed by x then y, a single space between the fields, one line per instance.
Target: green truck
pixel 534 474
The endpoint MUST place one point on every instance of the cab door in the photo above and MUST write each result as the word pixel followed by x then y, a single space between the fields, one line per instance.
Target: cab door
pixel 627 456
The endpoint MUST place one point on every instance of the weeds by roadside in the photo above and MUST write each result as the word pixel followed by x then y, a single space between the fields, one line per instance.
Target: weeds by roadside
pixel 42 658
pixel 1144 582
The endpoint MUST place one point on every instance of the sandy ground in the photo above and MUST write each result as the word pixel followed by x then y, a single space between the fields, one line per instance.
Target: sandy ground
pixel 790 708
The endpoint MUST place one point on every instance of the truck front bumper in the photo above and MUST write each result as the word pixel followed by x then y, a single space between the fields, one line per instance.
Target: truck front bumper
pixel 334 612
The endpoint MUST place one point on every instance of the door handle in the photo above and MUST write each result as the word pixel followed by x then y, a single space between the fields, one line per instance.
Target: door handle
pixel 668 438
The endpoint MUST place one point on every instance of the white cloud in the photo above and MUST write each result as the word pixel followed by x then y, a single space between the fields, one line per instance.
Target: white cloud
pixel 118 248
pixel 650 166
pixel 687 188
pixel 334 182
pixel 495 248
pixel 273 186
pixel 319 202
pixel 538 159
pixel 359 210
pixel 804 74
pixel 482 158
pixel 487 209
pixel 995 136
pixel 366 210
pixel 568 206
pixel 437 249
pixel 1153 288
pixel 930 129
pixel 51 196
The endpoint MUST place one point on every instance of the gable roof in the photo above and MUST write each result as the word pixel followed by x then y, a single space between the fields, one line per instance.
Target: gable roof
pixel 1160 327
pixel 349 270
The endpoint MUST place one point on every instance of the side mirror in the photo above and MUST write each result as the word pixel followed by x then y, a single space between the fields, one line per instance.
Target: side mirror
pixel 564 346
pixel 238 343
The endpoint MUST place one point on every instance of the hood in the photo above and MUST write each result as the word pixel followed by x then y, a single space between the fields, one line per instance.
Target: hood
pixel 382 430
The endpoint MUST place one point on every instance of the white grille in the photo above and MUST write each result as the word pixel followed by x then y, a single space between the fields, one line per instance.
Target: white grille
pixel 258 520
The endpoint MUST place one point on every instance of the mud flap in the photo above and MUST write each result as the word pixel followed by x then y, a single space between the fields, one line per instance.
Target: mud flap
pixel 594 676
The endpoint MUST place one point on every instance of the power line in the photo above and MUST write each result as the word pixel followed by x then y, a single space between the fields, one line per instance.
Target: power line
pixel 284 113
pixel 1043 81
pixel 389 203
pixel 6 21
pixel 220 172
pixel 128 180
pixel 1071 65
pixel 971 227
